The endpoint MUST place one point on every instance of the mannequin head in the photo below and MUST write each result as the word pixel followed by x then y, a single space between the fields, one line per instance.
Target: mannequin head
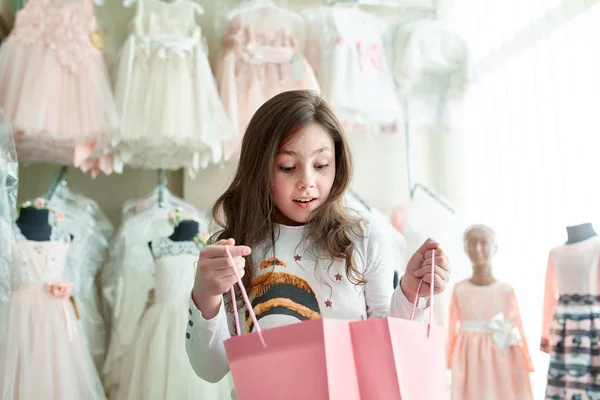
pixel 33 224
pixel 480 245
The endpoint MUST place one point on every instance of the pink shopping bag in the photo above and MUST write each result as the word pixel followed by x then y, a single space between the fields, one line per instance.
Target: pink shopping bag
pixel 311 360
pixel 398 359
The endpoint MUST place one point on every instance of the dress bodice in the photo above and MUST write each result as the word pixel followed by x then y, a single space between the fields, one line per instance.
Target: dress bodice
pixel 482 303
pixel 574 268
pixel 256 44
pixel 38 262
pixel 65 27
pixel 175 269
pixel 161 19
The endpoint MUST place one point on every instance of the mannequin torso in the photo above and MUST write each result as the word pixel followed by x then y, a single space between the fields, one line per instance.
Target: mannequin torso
pixel 579 233
pixel 183 232
pixel 34 225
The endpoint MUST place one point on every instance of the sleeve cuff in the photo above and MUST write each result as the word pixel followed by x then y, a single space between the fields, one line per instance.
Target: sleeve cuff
pixel 407 306
pixel 198 321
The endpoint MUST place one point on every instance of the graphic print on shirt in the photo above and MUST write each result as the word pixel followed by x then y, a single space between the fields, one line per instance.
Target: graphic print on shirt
pixel 271 262
pixel 281 293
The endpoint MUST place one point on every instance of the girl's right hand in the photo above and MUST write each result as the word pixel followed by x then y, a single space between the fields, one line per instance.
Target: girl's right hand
pixel 215 276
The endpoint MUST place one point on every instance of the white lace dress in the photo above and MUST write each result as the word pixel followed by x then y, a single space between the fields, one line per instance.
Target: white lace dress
pixel 157 366
pixel 127 279
pixel 171 113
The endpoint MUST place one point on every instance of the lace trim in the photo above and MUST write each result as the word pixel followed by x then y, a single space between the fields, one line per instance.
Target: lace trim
pixel 166 247
pixel 586 299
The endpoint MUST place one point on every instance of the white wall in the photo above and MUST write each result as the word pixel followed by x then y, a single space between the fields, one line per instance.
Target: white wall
pixel 380 171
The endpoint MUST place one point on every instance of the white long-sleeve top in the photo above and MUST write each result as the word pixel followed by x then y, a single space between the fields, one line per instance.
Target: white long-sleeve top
pixel 311 290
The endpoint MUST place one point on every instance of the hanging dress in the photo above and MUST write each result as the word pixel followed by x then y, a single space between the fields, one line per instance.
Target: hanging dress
pixel 54 87
pixel 345 48
pixel 171 114
pixel 259 59
pixel 44 353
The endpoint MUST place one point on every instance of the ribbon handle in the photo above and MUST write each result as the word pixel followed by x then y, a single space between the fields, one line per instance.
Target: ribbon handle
pixel 246 301
pixel 431 286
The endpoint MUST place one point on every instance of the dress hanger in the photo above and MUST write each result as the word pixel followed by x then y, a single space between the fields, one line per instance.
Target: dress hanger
pixel 256 5
pixel 197 7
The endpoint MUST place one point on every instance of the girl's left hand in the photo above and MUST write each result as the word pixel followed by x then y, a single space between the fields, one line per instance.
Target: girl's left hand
pixel 419 267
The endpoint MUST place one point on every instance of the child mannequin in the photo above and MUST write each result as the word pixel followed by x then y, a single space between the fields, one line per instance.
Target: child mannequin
pixel 483 347
pixel 301 252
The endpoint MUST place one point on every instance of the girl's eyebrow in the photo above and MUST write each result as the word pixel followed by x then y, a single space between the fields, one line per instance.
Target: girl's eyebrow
pixel 293 153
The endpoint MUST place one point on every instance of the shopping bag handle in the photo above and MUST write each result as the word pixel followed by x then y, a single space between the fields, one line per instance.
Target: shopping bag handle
pixel 431 287
pixel 246 301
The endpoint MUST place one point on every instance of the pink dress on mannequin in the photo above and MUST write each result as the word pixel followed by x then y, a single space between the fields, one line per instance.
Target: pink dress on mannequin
pixel 44 353
pixel 258 60
pixel 487 350
pixel 54 86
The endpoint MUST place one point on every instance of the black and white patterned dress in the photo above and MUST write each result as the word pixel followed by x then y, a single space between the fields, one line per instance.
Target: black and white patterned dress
pixel 571 327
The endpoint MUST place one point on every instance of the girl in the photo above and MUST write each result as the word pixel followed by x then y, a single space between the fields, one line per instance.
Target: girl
pixel 311 256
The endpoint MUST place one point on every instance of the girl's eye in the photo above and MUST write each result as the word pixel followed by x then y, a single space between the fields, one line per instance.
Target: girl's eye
pixel 287 170
pixel 322 166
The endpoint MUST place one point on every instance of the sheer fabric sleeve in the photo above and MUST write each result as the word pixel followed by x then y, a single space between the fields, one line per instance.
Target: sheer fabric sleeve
pixel 453 327
pixel 550 298
pixel 523 347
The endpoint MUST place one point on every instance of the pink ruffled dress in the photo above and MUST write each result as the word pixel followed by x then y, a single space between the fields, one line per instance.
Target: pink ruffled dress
pixel 259 59
pixel 54 87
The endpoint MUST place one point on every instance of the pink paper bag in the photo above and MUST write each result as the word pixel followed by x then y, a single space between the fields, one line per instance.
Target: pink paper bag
pixel 398 359
pixel 310 360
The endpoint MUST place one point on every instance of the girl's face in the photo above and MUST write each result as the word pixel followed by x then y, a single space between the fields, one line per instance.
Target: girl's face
pixel 304 171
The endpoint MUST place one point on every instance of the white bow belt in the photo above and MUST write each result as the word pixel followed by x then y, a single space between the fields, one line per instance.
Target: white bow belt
pixel 502 331
pixel 164 45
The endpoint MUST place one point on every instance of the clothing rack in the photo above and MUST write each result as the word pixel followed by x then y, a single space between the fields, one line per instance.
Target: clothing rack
pixel 430 10
pixel 162 185
pixel 58 178
pixel 434 195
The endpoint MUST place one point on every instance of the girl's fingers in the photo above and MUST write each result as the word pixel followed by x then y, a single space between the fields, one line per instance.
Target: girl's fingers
pixel 222 264
pixel 440 261
pixel 218 251
pixel 438 282
pixel 420 273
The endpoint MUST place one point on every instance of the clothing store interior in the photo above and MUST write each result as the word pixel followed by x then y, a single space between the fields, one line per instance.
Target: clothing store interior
pixel 396 194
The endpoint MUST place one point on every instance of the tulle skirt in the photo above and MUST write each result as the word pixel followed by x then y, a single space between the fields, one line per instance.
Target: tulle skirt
pixel 38 360
pixel 157 366
pixel 171 114
pixel 60 114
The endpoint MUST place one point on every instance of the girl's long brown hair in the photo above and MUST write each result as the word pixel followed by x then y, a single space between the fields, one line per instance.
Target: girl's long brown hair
pixel 245 211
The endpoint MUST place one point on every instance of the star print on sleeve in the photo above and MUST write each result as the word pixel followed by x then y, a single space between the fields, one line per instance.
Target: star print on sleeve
pixel 328 303
pixel 298 258
pixel 338 277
